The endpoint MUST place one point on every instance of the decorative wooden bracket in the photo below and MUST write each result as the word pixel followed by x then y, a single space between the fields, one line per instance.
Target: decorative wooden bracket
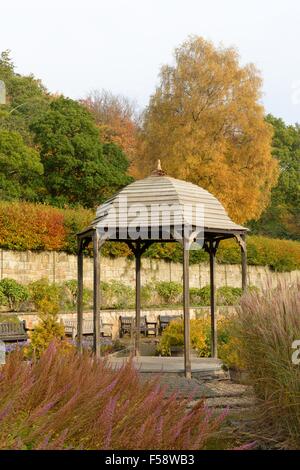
pixel 207 246
pixel 185 241
pixel 83 243
pixel 101 243
pixel 241 242
pixel 138 248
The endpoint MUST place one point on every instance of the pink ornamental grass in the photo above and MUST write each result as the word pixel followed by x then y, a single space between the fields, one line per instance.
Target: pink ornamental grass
pixel 71 401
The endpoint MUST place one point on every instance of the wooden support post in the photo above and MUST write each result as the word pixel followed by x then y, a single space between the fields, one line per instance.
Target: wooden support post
pixel 137 299
pixel 213 319
pixel 186 311
pixel 79 294
pixel 96 288
pixel 244 263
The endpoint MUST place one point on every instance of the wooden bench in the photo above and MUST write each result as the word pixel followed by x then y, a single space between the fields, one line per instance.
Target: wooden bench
pixel 127 326
pixel 87 328
pixel 13 331
pixel 164 321
pixel 149 326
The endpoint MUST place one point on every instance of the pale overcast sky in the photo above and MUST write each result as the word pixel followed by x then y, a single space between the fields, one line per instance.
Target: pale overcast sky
pixel 75 46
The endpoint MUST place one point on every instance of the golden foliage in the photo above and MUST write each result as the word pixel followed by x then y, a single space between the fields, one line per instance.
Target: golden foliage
pixel 205 122
pixel 116 119
pixel 47 301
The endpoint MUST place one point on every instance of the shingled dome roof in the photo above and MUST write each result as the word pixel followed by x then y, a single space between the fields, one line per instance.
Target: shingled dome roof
pixel 163 190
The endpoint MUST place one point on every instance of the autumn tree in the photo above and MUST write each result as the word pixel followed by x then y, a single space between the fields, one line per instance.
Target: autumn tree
pixel 206 124
pixel 282 217
pixel 116 118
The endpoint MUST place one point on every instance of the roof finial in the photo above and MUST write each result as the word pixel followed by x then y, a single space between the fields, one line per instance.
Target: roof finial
pixel 158 171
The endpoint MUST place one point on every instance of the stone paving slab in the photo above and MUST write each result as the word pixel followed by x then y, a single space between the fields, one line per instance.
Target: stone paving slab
pixel 241 403
pixel 199 388
pixel 159 364
pixel 185 388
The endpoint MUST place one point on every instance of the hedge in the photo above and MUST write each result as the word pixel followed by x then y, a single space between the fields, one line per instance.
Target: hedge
pixel 39 227
pixel 46 297
pixel 28 226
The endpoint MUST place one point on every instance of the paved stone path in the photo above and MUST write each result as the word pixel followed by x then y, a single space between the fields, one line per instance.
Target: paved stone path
pixel 209 383
pixel 218 394
pixel 212 390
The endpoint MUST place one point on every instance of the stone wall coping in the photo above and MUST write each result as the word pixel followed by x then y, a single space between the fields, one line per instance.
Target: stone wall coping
pixel 119 311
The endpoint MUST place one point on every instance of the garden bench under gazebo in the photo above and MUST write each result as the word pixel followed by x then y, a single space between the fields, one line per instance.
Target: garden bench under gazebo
pixel 151 198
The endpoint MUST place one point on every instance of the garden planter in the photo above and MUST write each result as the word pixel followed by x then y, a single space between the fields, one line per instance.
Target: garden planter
pixel 178 351
pixel 240 376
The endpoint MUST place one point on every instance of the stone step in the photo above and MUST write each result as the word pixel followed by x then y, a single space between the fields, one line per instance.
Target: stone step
pixel 239 402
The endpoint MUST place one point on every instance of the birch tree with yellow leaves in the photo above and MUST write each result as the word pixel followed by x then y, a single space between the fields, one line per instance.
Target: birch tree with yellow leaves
pixel 206 123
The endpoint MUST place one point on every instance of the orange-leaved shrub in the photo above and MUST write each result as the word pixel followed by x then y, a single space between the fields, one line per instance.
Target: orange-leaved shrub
pixel 65 400
pixel 28 226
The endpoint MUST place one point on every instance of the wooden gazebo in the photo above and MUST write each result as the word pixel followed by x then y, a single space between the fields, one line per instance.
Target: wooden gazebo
pixel 116 221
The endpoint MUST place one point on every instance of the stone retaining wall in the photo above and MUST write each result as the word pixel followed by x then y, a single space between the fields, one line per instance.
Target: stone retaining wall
pixel 57 267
